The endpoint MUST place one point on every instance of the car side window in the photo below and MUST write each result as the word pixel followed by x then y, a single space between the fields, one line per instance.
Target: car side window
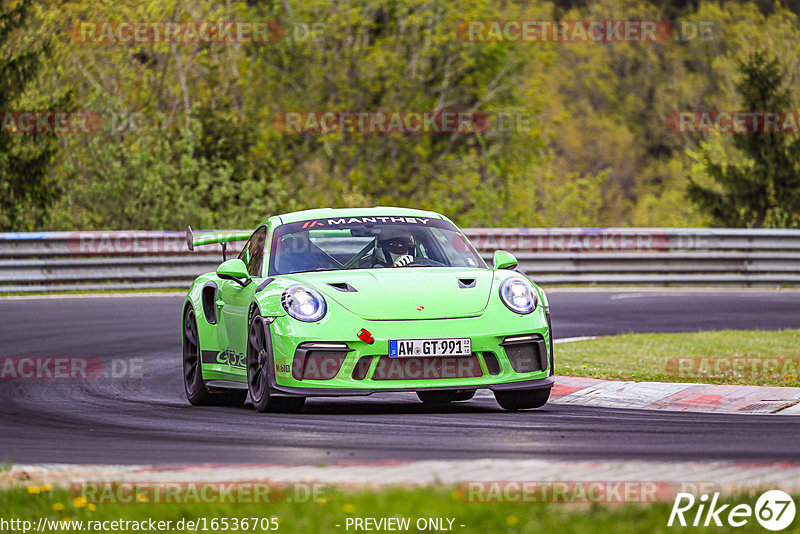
pixel 253 252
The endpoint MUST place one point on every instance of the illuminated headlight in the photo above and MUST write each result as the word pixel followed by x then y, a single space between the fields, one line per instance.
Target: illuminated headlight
pixel 518 295
pixel 304 303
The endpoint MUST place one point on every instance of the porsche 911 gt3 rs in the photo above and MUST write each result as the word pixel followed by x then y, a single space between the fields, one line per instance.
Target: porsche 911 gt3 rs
pixel 334 302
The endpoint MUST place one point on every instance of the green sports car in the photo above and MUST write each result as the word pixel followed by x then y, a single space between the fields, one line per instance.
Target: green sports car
pixel 333 302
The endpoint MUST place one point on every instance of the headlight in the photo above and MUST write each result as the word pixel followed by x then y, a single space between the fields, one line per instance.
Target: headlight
pixel 518 295
pixel 304 303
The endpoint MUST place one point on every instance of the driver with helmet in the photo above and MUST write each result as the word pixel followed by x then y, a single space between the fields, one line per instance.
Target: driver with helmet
pixel 398 248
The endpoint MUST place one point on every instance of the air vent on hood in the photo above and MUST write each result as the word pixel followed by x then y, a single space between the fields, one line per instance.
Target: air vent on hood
pixel 466 283
pixel 344 287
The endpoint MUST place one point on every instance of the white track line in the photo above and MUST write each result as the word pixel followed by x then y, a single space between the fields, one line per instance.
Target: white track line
pixel 572 339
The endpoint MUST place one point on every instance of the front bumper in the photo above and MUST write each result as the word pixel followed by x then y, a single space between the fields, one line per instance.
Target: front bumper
pixel 487 332
pixel 540 383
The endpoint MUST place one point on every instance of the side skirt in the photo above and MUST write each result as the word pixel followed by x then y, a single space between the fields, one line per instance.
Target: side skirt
pixel 227 385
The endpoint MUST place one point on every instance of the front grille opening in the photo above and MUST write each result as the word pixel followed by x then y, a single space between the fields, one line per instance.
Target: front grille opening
pixel 492 365
pixel 362 368
pixel 523 357
pixel 527 356
pixel 319 364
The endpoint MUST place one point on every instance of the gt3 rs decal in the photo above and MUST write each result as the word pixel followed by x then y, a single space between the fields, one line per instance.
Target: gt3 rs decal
pixel 225 357
pixel 235 360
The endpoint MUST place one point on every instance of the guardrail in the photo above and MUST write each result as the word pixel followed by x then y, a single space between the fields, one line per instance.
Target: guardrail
pixel 68 261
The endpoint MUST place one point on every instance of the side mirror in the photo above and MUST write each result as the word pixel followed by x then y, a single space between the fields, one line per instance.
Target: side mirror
pixel 502 259
pixel 235 270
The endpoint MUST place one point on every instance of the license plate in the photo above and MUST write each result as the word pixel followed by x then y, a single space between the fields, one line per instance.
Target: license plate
pixel 399 348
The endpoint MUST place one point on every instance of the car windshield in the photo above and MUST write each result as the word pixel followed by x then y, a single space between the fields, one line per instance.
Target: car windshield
pixel 369 243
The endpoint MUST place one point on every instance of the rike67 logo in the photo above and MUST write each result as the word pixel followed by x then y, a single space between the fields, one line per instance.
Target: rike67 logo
pixel 774 510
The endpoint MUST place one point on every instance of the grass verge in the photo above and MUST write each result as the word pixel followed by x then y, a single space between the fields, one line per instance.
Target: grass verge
pixel 322 517
pixel 741 357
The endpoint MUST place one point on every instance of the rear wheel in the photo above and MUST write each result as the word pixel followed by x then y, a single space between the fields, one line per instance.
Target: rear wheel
pixel 258 367
pixel 444 397
pixel 196 390
pixel 522 399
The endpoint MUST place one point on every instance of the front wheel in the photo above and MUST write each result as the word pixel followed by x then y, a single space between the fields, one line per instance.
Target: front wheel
pixel 196 390
pixel 522 399
pixel 445 397
pixel 258 366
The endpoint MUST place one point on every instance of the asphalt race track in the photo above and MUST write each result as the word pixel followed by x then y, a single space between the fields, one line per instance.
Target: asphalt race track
pixel 148 420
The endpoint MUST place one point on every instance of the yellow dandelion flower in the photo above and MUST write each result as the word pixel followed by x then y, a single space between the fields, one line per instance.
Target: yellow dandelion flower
pixel 58 507
pixel 47 487
pixel 512 520
pixel 349 509
pixel 34 490
pixel 79 502
pixel 91 507
pixel 141 497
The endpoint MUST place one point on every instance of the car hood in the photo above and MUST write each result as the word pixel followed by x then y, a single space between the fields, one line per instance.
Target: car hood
pixel 406 293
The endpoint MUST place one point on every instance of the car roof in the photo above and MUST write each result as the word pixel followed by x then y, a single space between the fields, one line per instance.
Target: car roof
pixel 377 211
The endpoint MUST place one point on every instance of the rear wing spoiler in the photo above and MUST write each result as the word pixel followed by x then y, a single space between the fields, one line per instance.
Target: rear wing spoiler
pixel 209 238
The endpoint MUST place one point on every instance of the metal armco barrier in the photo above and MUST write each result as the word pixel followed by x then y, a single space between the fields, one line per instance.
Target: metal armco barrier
pixel 68 261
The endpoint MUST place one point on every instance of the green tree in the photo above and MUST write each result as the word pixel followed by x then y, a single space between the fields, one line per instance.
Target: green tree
pixel 595 149
pixel 26 192
pixel 765 191
pixel 400 56
pixel 167 178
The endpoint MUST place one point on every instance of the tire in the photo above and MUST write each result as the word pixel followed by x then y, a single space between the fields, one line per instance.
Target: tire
pixel 522 399
pixel 259 363
pixel 196 390
pixel 445 397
